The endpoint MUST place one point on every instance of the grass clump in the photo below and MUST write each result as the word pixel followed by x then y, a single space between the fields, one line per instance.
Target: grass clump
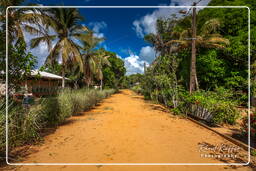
pixel 24 126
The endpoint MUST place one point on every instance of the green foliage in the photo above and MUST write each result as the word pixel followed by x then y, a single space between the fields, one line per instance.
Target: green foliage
pixel 210 70
pixel 20 63
pixel 131 80
pixel 54 68
pixel 252 124
pixel 216 107
pixel 137 89
pixel 113 75
pixel 222 72
pixel 160 81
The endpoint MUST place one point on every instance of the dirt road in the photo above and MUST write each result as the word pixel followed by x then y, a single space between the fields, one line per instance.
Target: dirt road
pixel 126 129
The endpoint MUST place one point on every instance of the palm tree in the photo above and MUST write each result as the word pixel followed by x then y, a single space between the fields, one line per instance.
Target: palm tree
pixel 207 38
pixel 89 55
pixel 160 39
pixel 19 19
pixel 66 30
pixel 101 59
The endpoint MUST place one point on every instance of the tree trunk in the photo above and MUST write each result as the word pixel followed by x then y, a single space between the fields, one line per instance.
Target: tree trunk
pixel 26 86
pixel 63 77
pixel 76 85
pixel 193 79
pixel 88 84
pixel 101 84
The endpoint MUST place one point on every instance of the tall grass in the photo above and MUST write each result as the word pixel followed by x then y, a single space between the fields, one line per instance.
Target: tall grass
pixel 25 126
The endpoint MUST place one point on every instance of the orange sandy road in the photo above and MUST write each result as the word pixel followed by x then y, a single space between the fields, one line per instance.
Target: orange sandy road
pixel 126 129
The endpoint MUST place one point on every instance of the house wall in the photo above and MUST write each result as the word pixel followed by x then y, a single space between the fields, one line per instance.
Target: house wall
pixel 42 87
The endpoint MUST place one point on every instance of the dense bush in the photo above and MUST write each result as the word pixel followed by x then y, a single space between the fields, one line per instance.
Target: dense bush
pixel 216 107
pixel 25 126
pixel 137 89
pixel 252 123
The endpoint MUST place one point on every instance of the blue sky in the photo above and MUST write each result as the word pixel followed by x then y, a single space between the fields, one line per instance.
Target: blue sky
pixel 123 28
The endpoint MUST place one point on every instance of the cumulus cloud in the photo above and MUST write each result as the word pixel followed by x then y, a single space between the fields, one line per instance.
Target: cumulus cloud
pixel 147 53
pixel 135 63
pixel 97 27
pixel 147 23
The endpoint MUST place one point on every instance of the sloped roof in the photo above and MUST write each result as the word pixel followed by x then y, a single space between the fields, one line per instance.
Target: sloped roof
pixel 42 74
pixel 48 75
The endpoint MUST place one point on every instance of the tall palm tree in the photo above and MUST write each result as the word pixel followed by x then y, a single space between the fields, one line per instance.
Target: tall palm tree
pixel 206 38
pixel 66 30
pixel 89 55
pixel 101 60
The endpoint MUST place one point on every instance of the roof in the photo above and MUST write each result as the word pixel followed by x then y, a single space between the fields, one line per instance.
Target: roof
pixel 42 74
pixel 48 75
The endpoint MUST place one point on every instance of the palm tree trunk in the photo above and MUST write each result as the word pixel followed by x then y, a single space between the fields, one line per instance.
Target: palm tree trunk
pixel 63 77
pixel 193 79
pixel 101 84
pixel 88 84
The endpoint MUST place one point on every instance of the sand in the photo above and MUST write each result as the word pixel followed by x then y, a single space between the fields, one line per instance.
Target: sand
pixel 127 129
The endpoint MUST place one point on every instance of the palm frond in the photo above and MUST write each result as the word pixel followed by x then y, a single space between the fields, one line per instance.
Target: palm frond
pixel 210 26
pixel 47 39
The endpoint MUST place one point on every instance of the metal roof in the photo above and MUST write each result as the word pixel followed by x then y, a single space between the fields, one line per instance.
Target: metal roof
pixel 42 74
pixel 48 75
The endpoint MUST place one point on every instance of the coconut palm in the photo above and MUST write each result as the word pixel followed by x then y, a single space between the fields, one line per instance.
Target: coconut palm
pixel 19 19
pixel 206 38
pixel 63 25
pixel 160 39
pixel 101 60
pixel 89 43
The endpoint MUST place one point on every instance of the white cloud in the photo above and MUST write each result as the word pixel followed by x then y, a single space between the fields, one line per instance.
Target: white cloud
pixel 134 64
pixel 138 28
pixel 97 27
pixel 147 23
pixel 147 53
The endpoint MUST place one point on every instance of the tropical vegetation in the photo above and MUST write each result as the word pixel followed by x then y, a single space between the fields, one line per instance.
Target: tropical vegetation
pixel 74 53
pixel 221 63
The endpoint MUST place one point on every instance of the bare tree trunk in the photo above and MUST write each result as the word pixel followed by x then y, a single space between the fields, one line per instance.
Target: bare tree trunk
pixel 88 85
pixel 63 77
pixel 193 79
pixel 76 84
pixel 197 85
pixel 101 84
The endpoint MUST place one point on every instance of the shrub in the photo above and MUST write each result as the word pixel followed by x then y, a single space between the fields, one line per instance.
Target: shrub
pixel 137 89
pixel 252 123
pixel 214 107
